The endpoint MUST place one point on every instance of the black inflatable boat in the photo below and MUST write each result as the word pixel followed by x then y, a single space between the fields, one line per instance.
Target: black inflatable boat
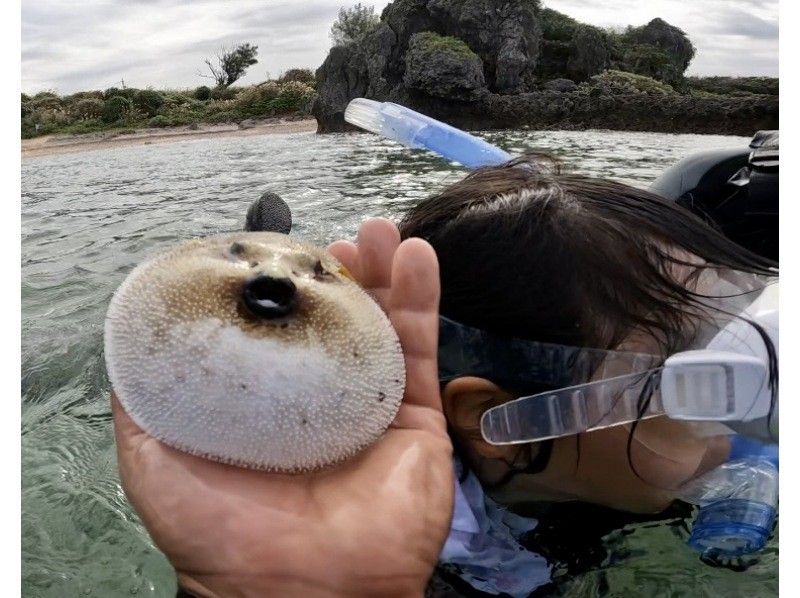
pixel 735 189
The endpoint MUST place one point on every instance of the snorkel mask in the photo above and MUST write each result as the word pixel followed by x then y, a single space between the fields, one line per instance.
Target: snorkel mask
pixel 730 375
pixel 727 381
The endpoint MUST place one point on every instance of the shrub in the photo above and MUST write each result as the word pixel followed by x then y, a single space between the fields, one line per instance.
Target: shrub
pixel 29 129
pixel 183 118
pixel 174 100
pixel 293 97
pixel 271 98
pixel 700 93
pixel 148 101
pixel 128 92
pixel 226 116
pixel 88 108
pixel 210 108
pixel 84 95
pixel 86 126
pixel 46 101
pixel 202 93
pixel 159 121
pixel 255 99
pixel 56 117
pixel 301 75
pixel 116 108
pixel 45 95
pixel 223 93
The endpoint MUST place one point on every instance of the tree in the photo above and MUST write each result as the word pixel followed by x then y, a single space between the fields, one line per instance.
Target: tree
pixel 231 64
pixel 354 24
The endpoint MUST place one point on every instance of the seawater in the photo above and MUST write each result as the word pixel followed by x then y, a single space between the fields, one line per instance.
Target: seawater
pixel 89 218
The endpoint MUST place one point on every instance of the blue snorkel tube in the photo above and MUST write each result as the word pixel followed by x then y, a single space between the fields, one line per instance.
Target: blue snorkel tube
pixel 738 500
pixel 416 130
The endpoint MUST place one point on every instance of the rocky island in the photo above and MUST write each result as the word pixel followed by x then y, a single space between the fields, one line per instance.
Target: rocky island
pixel 481 64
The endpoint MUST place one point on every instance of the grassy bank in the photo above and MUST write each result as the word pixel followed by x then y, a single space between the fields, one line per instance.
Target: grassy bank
pixel 125 109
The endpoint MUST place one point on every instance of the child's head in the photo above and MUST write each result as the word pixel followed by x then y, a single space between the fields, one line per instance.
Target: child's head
pixel 529 252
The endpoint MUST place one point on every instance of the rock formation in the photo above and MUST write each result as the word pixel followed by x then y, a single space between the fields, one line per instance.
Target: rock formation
pixel 485 64
pixel 443 67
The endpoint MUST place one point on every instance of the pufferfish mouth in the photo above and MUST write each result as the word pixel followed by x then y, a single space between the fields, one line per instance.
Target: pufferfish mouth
pixel 269 297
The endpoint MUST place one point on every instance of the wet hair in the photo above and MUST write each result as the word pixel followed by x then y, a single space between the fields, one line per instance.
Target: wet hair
pixel 526 250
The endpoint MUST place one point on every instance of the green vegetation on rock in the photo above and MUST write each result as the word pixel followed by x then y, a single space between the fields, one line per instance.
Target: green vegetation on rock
pixel 734 85
pixel 579 51
pixel 557 26
pixel 431 41
pixel 443 67
pixel 612 82
pixel 651 62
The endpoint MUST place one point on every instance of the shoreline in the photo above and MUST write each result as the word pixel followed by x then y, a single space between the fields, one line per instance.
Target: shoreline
pixel 59 144
pixel 50 145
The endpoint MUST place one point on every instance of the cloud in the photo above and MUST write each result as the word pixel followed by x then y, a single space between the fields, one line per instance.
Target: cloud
pixel 162 43
pixel 745 25
pixel 93 44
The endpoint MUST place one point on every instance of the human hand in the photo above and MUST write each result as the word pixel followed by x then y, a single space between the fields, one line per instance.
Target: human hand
pixel 373 525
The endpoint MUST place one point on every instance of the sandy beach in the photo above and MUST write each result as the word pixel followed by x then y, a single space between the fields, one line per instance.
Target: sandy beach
pixel 67 144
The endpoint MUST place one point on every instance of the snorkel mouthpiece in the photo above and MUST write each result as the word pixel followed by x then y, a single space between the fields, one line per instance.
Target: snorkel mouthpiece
pixel 738 501
pixel 416 130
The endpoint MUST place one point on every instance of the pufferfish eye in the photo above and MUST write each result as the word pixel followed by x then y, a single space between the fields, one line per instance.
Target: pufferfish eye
pixel 320 273
pixel 235 251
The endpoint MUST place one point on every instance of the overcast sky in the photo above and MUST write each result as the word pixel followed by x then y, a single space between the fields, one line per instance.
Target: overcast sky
pixel 93 44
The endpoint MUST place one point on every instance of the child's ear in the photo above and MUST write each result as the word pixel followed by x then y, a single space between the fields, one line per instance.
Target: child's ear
pixel 464 401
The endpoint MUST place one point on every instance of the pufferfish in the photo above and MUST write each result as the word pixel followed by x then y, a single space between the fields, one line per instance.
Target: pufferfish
pixel 253 349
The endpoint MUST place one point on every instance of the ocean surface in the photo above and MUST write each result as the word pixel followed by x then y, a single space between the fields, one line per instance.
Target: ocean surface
pixel 89 218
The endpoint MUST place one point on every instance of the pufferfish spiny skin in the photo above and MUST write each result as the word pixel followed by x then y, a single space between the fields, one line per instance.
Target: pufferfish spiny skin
pixel 256 350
